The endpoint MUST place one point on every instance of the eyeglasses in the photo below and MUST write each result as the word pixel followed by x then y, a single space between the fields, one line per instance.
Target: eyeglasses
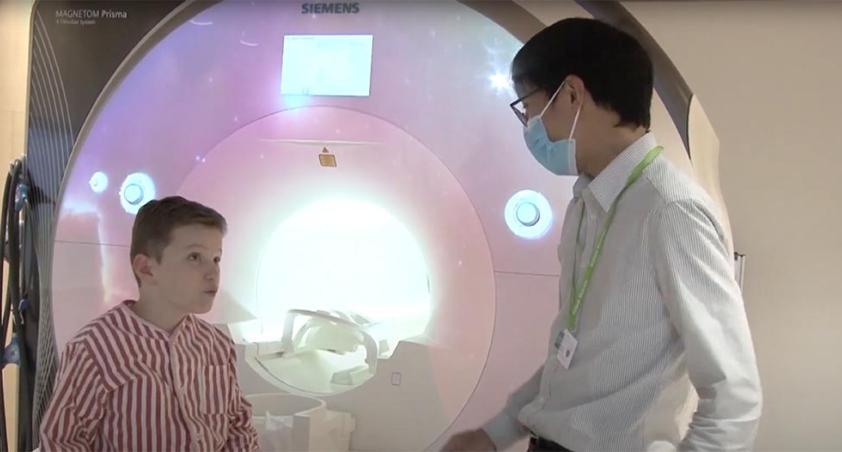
pixel 519 109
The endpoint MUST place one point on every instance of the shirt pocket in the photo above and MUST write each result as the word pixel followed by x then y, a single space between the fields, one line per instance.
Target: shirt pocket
pixel 213 389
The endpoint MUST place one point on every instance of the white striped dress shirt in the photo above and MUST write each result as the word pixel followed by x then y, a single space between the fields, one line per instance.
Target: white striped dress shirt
pixel 663 311
pixel 127 385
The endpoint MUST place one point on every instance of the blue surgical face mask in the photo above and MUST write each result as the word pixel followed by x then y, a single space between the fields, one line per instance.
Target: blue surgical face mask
pixel 558 157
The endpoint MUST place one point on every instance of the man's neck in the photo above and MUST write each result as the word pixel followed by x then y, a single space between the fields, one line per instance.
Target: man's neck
pixel 607 147
pixel 158 313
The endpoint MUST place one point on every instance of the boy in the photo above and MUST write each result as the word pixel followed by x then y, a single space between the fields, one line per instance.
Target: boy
pixel 148 375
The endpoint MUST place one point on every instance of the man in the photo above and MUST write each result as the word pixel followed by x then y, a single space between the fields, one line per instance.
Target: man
pixel 647 292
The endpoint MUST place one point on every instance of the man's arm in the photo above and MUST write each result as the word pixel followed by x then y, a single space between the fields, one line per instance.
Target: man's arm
pixel 72 419
pixel 695 274
pixel 505 429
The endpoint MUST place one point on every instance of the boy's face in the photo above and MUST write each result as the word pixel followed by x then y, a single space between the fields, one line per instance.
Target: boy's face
pixel 187 276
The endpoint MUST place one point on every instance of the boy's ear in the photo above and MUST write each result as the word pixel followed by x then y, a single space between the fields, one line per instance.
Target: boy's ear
pixel 142 267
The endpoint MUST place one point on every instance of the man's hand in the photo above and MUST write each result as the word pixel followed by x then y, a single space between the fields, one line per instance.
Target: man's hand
pixel 470 441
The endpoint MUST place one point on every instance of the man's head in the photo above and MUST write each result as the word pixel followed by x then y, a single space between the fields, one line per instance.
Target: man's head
pixel 175 253
pixel 594 70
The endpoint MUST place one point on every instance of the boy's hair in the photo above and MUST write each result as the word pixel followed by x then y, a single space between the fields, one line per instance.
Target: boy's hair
pixel 155 221
pixel 615 68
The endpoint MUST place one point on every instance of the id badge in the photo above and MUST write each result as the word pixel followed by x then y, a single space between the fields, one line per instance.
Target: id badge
pixel 566 349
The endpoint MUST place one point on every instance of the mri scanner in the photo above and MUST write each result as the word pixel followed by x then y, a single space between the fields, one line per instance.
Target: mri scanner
pixel 390 267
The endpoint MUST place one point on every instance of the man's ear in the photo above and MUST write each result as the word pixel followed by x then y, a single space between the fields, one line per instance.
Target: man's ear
pixel 142 266
pixel 575 89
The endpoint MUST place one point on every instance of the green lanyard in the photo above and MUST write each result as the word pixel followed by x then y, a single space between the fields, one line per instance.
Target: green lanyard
pixel 577 292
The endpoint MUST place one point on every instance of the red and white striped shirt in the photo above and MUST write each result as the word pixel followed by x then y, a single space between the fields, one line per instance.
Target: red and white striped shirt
pixel 127 385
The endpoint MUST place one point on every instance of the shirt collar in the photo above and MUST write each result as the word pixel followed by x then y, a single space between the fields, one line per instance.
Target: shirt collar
pixel 581 184
pixel 145 328
pixel 611 181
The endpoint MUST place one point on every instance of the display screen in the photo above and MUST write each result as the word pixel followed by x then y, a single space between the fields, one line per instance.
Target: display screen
pixel 326 65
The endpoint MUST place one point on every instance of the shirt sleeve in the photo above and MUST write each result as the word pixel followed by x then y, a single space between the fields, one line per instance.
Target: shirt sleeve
pixel 72 420
pixel 695 274
pixel 242 435
pixel 505 429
